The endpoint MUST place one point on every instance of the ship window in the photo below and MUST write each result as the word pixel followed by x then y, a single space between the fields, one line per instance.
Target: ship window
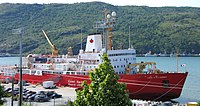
pixel 116 72
pixel 114 66
pixel 165 83
pixel 117 66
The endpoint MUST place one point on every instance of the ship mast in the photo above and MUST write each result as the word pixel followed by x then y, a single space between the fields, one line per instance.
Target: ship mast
pixel 81 40
pixel 107 23
pixel 129 39
pixel 177 60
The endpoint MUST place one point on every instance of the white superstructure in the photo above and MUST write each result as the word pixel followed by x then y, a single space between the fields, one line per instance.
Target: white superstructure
pixel 91 57
pixel 94 43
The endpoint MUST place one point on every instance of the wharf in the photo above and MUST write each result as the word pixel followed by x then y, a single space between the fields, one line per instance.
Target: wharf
pixel 66 92
pixel 70 94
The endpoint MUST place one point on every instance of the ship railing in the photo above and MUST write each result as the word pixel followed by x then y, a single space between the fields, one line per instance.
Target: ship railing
pixel 76 72
pixel 7 70
pixel 7 67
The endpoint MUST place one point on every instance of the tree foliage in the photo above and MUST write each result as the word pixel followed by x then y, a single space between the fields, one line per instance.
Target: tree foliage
pixel 104 90
pixel 198 103
pixel 1 95
pixel 156 29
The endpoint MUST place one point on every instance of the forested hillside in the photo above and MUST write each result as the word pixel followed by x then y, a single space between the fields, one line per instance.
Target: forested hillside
pixel 156 29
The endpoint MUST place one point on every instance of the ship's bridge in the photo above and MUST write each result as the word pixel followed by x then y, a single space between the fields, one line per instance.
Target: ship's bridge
pixel 120 58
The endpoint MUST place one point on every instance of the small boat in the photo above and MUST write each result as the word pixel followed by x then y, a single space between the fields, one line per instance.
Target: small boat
pixel 149 54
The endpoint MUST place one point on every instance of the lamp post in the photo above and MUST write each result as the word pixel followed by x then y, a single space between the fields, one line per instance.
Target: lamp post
pixel 12 90
pixel 20 32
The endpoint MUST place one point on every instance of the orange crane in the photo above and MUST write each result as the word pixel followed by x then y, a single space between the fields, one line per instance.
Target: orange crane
pixel 53 47
pixel 142 66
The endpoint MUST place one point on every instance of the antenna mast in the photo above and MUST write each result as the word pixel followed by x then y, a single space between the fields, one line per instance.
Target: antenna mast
pixel 107 23
pixel 81 40
pixel 129 46
pixel 177 60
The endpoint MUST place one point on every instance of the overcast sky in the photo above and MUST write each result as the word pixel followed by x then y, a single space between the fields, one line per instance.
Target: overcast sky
pixel 151 3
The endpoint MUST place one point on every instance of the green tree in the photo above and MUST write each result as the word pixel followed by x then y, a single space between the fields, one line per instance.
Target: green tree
pixel 198 103
pixel 104 90
pixel 1 95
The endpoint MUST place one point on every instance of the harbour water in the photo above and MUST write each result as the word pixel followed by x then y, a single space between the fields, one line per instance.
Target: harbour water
pixel 191 90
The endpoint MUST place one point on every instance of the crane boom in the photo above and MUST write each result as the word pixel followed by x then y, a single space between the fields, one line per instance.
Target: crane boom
pixel 53 47
pixel 141 66
pixel 47 38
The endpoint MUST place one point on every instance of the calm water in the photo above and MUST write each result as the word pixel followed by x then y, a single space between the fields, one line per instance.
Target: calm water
pixel 191 90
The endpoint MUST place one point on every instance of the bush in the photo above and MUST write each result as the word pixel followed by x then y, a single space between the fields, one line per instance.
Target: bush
pixel 70 103
pixel 198 103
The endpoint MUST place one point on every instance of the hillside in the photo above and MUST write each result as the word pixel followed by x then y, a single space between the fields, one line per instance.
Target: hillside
pixel 156 29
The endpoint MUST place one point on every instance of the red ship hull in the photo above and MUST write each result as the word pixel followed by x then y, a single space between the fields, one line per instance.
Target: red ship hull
pixel 142 86
pixel 3 78
pixel 38 79
pixel 156 87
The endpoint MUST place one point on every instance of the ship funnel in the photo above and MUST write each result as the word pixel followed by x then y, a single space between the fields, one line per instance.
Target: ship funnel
pixel 94 43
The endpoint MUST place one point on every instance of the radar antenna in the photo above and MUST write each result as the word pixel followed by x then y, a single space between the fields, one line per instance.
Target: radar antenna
pixel 107 23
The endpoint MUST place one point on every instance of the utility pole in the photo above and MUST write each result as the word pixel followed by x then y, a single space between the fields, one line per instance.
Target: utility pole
pixel 20 71
pixel 20 31
pixel 12 90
